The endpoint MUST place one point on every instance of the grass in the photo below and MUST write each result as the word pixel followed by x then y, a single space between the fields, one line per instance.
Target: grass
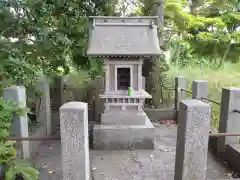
pixel 226 76
pixel 78 77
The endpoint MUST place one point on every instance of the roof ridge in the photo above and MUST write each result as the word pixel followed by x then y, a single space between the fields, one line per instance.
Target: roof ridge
pixel 123 17
pixel 124 24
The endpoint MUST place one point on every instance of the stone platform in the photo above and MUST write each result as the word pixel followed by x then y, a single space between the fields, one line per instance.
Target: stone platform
pixel 135 135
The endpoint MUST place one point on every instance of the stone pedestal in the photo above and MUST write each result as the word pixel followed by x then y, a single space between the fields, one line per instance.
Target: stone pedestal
pixel 124 136
pixel 124 124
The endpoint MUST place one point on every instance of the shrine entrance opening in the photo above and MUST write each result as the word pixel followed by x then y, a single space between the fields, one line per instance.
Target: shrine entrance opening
pixel 123 78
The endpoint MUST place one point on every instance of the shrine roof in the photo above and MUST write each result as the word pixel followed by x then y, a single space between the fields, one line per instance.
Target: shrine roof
pixel 123 36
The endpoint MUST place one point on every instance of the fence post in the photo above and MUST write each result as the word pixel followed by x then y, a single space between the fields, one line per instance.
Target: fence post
pixel 19 123
pixel 74 141
pixel 43 111
pixel 199 89
pixel 180 83
pixel 192 140
pixel 229 120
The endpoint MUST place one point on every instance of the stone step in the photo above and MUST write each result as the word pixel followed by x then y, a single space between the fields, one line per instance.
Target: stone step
pixel 113 137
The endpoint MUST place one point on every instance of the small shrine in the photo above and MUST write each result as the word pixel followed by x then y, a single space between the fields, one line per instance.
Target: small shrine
pixel 124 42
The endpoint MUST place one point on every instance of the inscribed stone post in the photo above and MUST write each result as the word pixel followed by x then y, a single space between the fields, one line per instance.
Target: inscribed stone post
pixel 199 89
pixel 99 103
pixel 192 140
pixel 180 83
pixel 19 127
pixel 229 120
pixel 43 110
pixel 56 101
pixel 74 141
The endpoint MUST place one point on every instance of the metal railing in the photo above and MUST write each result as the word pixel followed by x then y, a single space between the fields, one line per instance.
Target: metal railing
pixel 204 98
pixel 34 138
pixel 212 101
pixel 186 91
pixel 59 138
pixel 18 139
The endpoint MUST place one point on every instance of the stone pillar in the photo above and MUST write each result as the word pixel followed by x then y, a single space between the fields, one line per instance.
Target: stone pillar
pixel 229 120
pixel 107 76
pixel 199 89
pixel 180 83
pixel 56 101
pixel 57 93
pixel 20 123
pixel 74 141
pixel 99 103
pixel 43 111
pixel 143 82
pixel 192 140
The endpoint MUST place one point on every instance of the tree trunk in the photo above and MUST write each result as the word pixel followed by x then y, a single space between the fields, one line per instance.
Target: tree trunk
pixel 157 10
pixel 194 4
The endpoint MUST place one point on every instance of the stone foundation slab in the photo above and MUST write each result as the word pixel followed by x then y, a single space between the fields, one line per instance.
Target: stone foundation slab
pixel 123 119
pixel 115 137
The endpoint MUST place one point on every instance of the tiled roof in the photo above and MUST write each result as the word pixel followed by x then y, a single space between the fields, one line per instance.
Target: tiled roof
pixel 128 36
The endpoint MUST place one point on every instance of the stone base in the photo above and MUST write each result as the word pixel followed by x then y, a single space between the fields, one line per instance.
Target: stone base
pixel 113 137
pixel 232 156
pixel 123 119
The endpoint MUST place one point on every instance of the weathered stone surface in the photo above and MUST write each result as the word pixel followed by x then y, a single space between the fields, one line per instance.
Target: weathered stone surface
pixel 116 137
pixel 74 140
pixel 199 89
pixel 17 94
pixel 122 118
pixel 192 140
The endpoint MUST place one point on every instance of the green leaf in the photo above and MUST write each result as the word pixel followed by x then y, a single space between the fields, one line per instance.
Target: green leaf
pixel 29 173
pixel 10 175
